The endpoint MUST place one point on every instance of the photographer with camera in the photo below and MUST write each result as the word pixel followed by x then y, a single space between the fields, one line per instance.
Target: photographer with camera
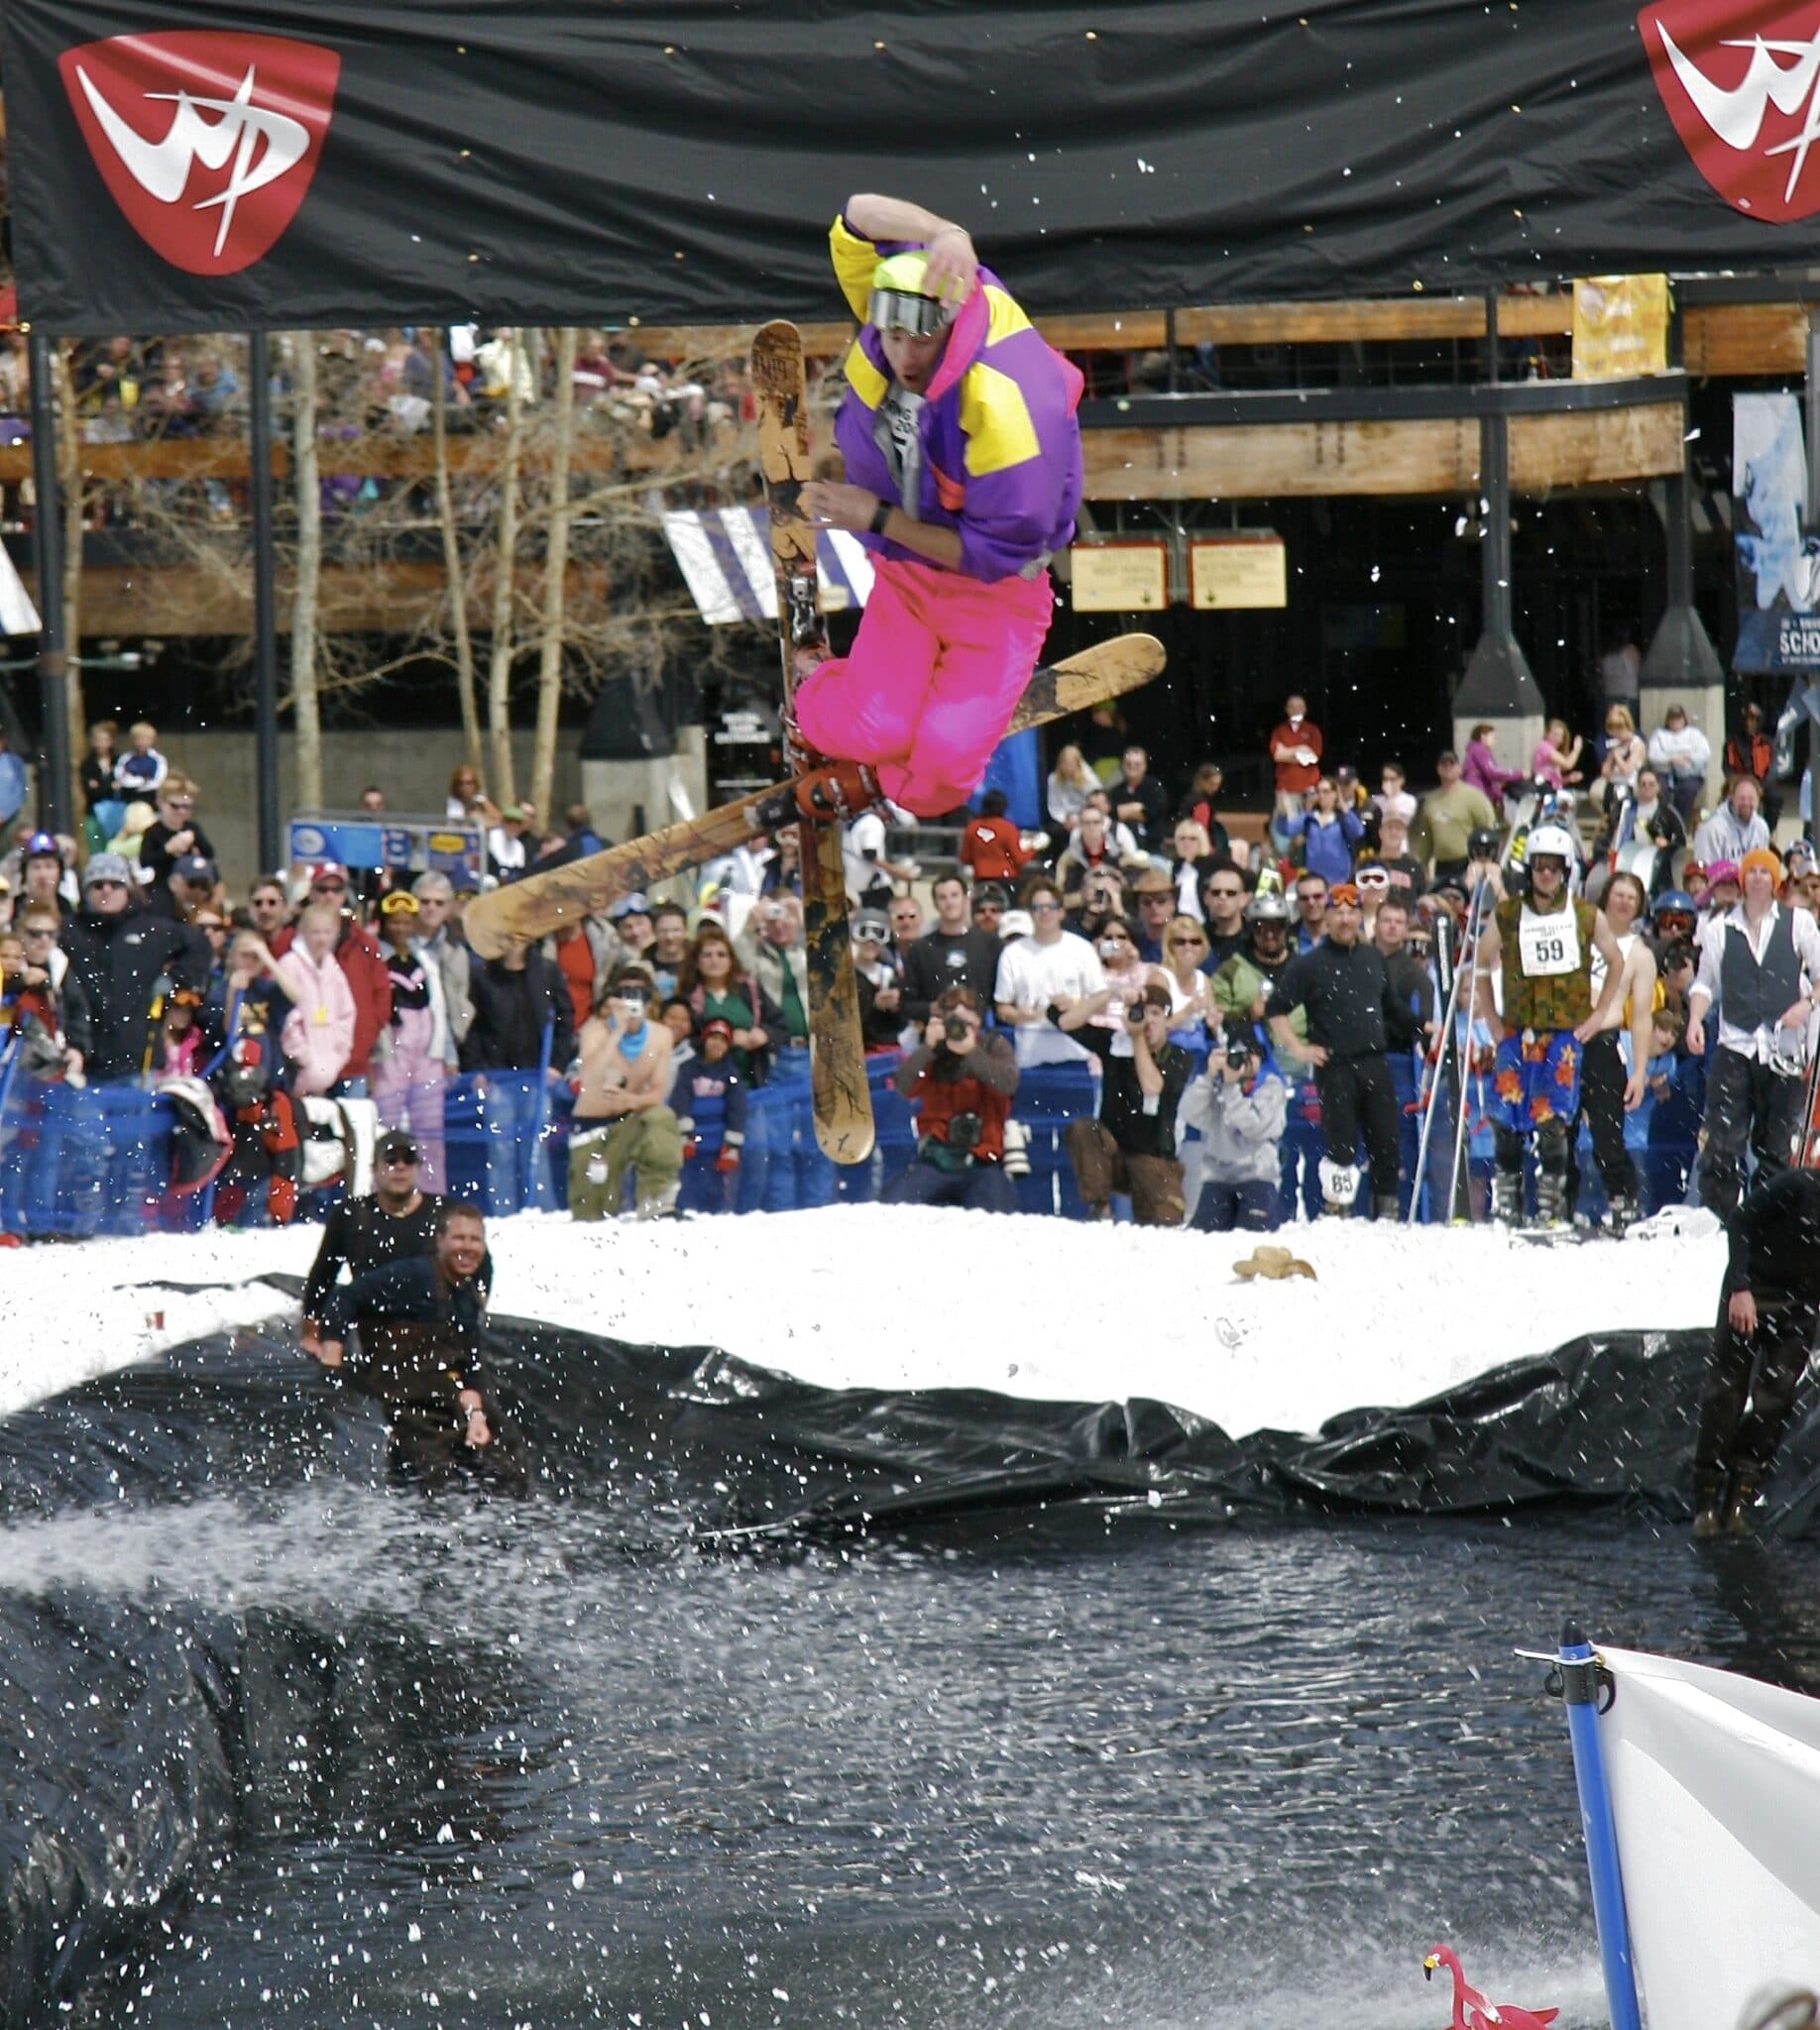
pixel 960 1078
pixel 1240 1107
pixel 1131 1146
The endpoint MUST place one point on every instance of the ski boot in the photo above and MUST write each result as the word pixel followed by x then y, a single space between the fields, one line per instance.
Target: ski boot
pixel 1742 1504
pixel 1551 1198
pixel 1383 1208
pixel 1507 1198
pixel 1709 1491
pixel 837 791
pixel 1622 1216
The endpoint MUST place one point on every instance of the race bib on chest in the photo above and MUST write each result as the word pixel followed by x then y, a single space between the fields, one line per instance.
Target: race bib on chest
pixel 1548 945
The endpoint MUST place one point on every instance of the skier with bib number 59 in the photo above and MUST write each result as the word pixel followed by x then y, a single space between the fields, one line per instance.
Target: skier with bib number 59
pixel 1545 944
pixel 963 457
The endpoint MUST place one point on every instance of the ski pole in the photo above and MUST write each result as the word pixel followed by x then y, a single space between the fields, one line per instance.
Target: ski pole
pixel 1469 970
pixel 1427 1117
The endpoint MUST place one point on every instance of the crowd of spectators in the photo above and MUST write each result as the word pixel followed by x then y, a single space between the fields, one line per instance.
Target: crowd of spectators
pixel 137 390
pixel 1251 1010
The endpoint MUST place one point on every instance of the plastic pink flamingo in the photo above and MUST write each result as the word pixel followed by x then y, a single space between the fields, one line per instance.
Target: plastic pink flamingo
pixel 1471 2011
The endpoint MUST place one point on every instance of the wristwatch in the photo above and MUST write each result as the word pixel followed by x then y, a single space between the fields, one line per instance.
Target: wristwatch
pixel 880 515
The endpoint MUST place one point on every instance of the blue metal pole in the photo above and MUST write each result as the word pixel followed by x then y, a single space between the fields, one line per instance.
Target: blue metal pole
pixel 1580 1695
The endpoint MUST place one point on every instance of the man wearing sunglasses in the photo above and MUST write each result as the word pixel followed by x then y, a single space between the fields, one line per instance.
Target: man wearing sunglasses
pixel 398 1221
pixel 172 834
pixel 124 959
pixel 963 457
pixel 623 1124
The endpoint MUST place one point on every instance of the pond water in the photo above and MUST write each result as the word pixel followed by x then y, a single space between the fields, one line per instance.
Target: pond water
pixel 547 1765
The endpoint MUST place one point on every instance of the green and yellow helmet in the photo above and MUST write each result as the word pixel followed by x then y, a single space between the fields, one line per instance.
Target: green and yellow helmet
pixel 900 300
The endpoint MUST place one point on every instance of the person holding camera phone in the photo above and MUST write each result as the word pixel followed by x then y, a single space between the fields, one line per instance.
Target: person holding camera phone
pixel 622 1121
pixel 1131 1146
pixel 960 1078
pixel 1240 1107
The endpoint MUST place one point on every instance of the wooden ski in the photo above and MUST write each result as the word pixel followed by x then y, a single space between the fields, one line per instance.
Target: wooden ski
pixel 837 1046
pixel 538 904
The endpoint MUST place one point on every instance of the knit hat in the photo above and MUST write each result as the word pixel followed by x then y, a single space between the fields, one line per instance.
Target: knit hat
pixel 1762 857
pixel 107 867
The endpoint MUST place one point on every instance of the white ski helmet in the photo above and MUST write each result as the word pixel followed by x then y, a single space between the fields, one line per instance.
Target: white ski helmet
pixel 1550 842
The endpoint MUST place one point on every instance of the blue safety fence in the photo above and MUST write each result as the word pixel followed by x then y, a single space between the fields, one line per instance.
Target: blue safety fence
pixel 97 1159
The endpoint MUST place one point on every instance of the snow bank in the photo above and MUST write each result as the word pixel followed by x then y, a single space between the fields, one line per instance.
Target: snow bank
pixel 876 1296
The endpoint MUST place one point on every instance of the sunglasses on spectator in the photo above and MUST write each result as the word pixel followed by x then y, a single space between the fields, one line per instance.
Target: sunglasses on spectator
pixel 1046 909
pixel 1186 944
pixel 106 883
pixel 628 993
pixel 1226 894
pixel 988 909
pixel 401 1158
pixel 181 803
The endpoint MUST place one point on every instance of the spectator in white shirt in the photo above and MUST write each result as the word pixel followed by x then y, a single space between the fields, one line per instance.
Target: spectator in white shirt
pixel 1050 967
pixel 1680 753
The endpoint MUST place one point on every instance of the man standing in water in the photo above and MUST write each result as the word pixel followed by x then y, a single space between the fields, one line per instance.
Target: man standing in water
pixel 1768 1308
pixel 398 1220
pixel 421 1320
pixel 963 475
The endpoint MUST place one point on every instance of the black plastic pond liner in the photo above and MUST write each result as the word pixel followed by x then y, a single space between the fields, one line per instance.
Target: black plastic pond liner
pixel 131 1732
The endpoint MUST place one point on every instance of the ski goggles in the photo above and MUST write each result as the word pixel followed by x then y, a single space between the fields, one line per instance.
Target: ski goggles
pixel 904 310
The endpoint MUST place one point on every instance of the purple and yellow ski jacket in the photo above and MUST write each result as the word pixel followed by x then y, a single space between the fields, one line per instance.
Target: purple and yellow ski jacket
pixel 1001 448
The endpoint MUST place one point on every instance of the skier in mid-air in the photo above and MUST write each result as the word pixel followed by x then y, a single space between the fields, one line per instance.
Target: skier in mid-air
pixel 963 459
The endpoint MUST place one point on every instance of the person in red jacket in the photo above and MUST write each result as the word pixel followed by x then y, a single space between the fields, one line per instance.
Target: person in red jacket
pixel 960 1078
pixel 369 977
pixel 991 847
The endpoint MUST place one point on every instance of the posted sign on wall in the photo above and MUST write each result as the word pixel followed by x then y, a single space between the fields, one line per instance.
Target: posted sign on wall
pixel 1249 568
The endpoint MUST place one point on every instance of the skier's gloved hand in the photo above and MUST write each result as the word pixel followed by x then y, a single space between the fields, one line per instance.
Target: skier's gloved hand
pixel 729 1158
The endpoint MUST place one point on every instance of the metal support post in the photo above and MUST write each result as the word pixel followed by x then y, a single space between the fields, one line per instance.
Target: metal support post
pixel 54 799
pixel 265 602
pixel 1579 1675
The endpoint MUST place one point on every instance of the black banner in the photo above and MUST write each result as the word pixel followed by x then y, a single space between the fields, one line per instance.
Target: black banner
pixel 186 166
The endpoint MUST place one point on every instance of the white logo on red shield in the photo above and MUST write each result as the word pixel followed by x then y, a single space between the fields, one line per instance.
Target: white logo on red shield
pixel 1739 79
pixel 207 140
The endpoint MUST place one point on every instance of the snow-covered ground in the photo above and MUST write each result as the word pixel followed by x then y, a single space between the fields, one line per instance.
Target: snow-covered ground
pixel 869 1295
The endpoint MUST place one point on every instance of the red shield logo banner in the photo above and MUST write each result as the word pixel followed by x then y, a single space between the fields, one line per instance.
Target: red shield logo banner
pixel 1738 79
pixel 207 140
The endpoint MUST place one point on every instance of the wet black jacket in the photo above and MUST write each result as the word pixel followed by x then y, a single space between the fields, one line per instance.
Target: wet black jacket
pixel 1776 1241
pixel 118 961
pixel 362 1235
pixel 419 1334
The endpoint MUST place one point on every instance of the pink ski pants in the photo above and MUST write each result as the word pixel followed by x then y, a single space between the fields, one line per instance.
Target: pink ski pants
pixel 935 673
